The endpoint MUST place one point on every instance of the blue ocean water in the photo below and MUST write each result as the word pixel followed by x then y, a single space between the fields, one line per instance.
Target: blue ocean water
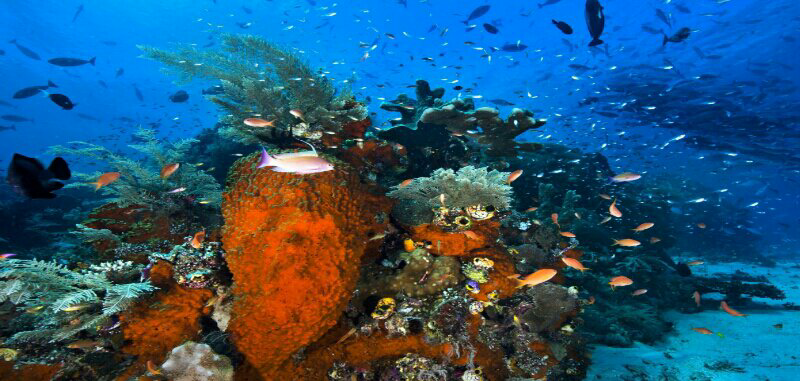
pixel 719 110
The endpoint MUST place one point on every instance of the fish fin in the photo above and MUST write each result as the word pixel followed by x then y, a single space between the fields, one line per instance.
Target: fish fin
pixel 60 169
pixel 309 144
pixel 596 42
pixel 266 160
pixel 51 84
pixel 665 41
pixel 279 169
pixel 513 276
pixel 91 60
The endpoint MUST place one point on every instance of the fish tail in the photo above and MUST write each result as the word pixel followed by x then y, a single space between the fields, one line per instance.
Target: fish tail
pixel 51 84
pixel 97 185
pixel 266 160
pixel 665 40
pixel 596 42
pixel 615 243
pixel 91 60
pixel 540 6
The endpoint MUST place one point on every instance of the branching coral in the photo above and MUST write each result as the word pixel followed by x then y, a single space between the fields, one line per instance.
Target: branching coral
pixel 65 302
pixel 140 182
pixel 261 79
pixel 469 186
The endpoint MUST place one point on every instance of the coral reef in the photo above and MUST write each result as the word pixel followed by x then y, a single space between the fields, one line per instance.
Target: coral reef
pixel 424 275
pixel 152 328
pixel 140 183
pixel 293 246
pixel 261 79
pixel 196 267
pixel 467 187
pixel 192 361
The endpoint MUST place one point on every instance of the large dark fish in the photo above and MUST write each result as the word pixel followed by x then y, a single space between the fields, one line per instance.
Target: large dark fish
pixel 179 96
pixel 4 128
pixel 477 12
pixel 501 102
pixel 663 17
pixel 71 61
pixel 62 101
pixel 513 47
pixel 595 21
pixel 27 176
pixel 120 72
pixel 490 28
pixel 33 90
pixel 27 52
pixel 563 27
pixel 679 36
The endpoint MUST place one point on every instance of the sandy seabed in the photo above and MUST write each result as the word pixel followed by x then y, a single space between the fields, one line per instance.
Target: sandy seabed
pixel 752 343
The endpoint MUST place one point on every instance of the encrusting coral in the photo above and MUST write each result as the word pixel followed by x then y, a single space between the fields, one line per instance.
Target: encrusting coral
pixel 192 362
pixel 293 245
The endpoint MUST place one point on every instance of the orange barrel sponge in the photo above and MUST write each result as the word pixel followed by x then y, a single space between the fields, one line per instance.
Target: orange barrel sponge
pixel 293 245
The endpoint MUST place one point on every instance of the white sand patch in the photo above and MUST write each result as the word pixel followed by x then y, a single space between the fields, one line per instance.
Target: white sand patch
pixel 752 343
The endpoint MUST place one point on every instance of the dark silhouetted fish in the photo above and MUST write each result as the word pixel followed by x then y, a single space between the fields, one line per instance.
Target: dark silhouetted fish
pixel 120 72
pixel 490 28
pixel 548 2
pixel 403 2
pixel 683 269
pixel 663 17
pixel 682 8
pixel 138 93
pixel 432 28
pixel 15 118
pixel 71 61
pixel 513 47
pixel 33 90
pixel 28 177
pixel 651 30
pixel 244 25
pixel 595 21
pixel 4 128
pixel 102 83
pixel 247 10
pixel 77 13
pixel 501 102
pixel 179 96
pixel 477 12
pixel 607 114
pixel 27 52
pixel 62 101
pixel 679 36
pixel 563 27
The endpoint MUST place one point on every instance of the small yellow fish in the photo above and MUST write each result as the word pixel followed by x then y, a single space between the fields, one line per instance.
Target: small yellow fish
pixel 76 307
pixel 34 310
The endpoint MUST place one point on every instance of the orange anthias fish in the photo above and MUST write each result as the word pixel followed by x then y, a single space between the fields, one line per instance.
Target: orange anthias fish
pixel 655 240
pixel 640 291
pixel 619 281
pixel 554 218
pixel 406 182
pixel 297 114
pixel 696 297
pixel 105 179
pixel 169 169
pixel 626 242
pixel 152 369
pixel 701 225
pixel 258 122
pixel 729 310
pixel 574 263
pixel 625 177
pixel 533 279
pixel 197 240
pixel 604 196
pixel 471 234
pixel 644 226
pixel 704 331
pixel 531 209
pixel 513 176
pixel 695 263
pixel 612 209
pixel 567 234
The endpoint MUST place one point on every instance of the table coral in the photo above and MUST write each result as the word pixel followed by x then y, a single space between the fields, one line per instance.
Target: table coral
pixel 293 245
pixel 152 328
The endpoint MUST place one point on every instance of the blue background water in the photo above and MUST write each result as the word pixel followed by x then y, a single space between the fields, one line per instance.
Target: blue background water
pixel 760 33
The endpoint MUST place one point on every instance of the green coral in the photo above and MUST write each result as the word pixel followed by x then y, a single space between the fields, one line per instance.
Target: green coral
pixel 48 290
pixel 140 182
pixel 261 79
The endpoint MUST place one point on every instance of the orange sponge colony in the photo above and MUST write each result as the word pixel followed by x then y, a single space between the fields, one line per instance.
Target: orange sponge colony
pixel 293 244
